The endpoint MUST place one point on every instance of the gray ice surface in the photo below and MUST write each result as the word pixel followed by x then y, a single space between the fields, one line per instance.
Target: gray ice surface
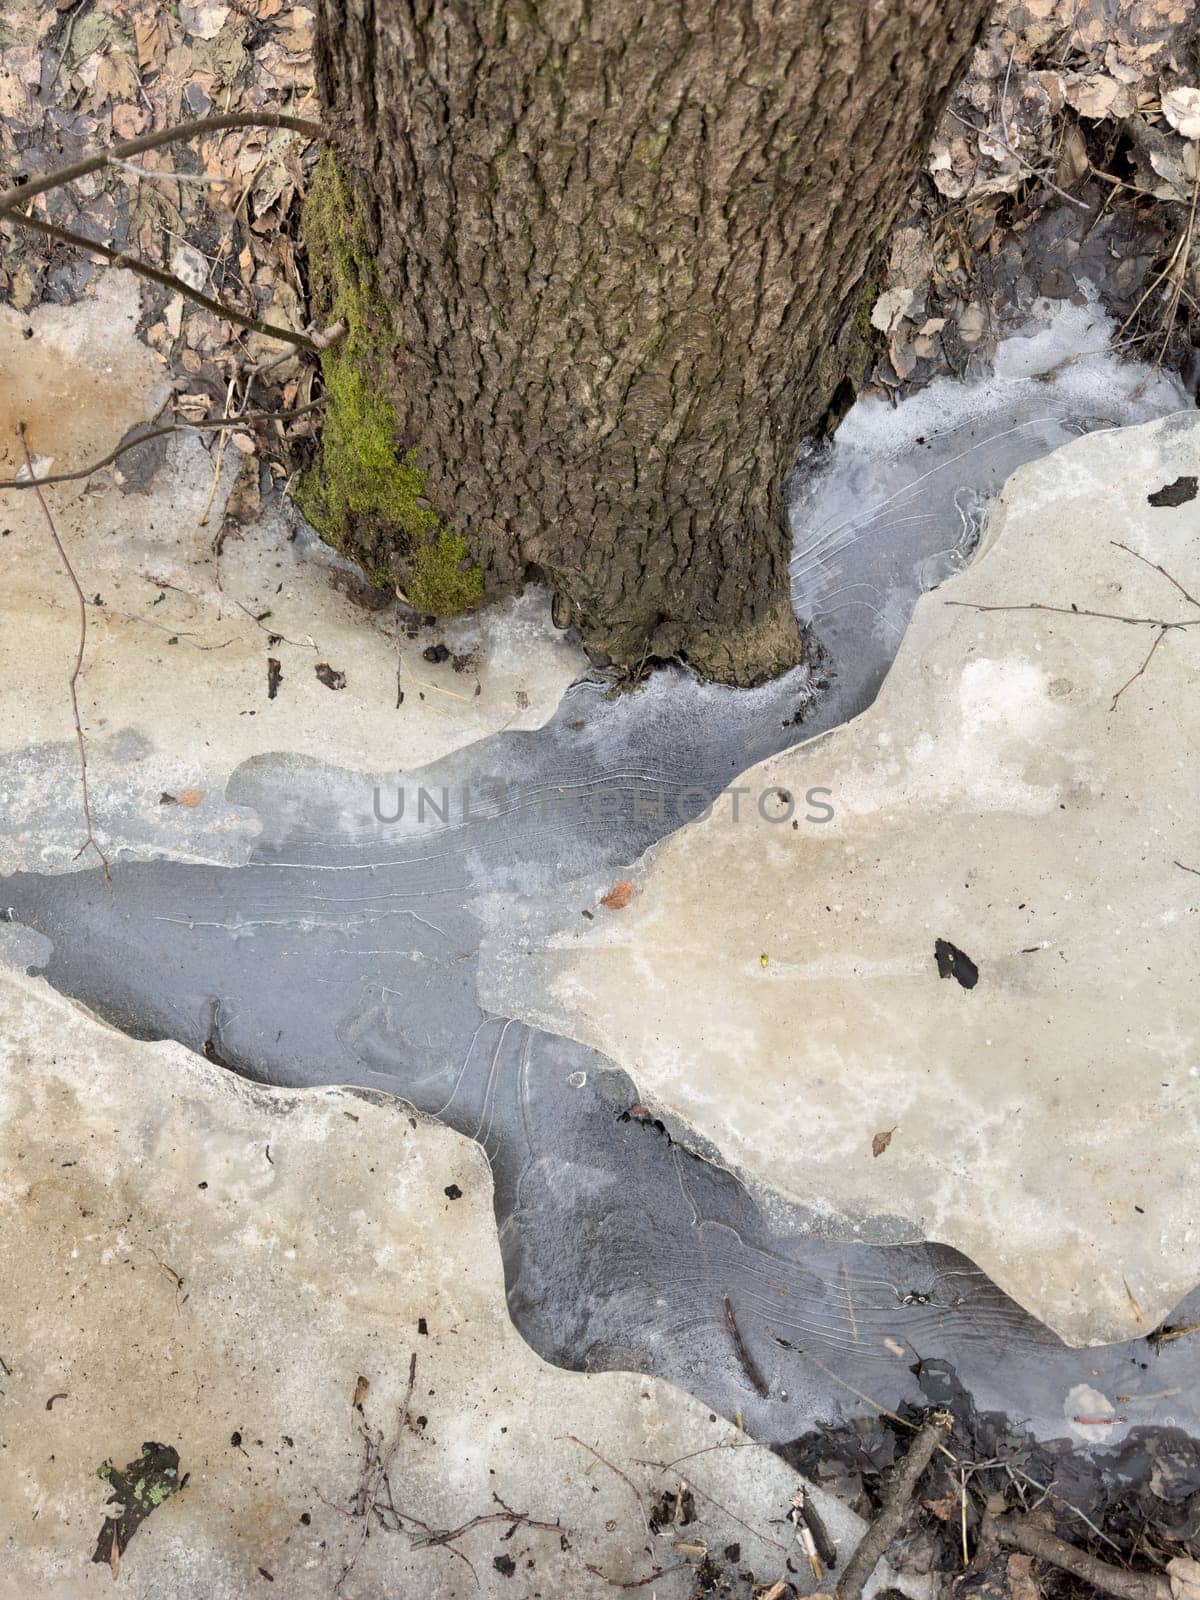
pixel 346 952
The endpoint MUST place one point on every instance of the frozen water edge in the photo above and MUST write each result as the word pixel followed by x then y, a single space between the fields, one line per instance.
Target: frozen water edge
pixel 899 501
pixel 346 950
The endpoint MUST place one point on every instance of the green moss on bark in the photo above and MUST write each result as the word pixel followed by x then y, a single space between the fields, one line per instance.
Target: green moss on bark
pixel 366 496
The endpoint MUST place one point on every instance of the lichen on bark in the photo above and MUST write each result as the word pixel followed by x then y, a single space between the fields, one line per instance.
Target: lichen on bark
pixel 366 496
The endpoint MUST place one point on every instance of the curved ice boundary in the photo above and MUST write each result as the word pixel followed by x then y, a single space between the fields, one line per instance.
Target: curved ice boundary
pixel 346 952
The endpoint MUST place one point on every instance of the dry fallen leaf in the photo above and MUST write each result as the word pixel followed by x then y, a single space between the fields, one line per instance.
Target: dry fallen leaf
pixel 1021 1584
pixel 1094 97
pixel 945 1507
pixel 360 1392
pixel 1181 108
pixel 881 1141
pixel 618 896
pixel 191 797
pixel 891 307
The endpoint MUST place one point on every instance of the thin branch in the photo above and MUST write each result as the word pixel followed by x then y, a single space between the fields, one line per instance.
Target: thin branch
pixel 1164 627
pixel 1158 639
pixel 1079 611
pixel 1173 305
pixel 159 433
pixel 447 1535
pixel 1019 1534
pixel 219 461
pixel 260 622
pixel 758 1382
pixel 1146 293
pixel 637 1583
pixel 764 1538
pixel 143 269
pixel 90 841
pixel 375 1472
pixel 624 1476
pixel 896 1507
pixel 202 178
pixel 21 192
pixel 321 339
pixel 1156 567
pixel 1020 159
pixel 807 1355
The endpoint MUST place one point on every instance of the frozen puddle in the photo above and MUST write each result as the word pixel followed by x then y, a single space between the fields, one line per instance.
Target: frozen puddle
pixel 302 1295
pixel 962 993
pixel 294 926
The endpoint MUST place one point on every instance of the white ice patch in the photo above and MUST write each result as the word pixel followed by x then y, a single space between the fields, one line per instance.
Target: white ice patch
pixel 901 500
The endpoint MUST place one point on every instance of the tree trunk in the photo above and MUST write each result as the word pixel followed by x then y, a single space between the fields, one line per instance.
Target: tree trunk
pixel 622 242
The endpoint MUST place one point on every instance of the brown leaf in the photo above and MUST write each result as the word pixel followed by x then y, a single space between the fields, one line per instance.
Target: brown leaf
pixel 150 38
pixel 1021 1582
pixel 881 1141
pixel 274 677
pixel 618 896
pixel 128 121
pixel 944 1507
pixel 360 1392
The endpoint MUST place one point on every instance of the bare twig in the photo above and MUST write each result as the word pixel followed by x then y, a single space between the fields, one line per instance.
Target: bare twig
pixel 1156 566
pixel 1133 678
pixel 830 1373
pixel 637 1583
pixel 90 841
pixel 219 461
pixel 739 1344
pixel 203 178
pixel 896 1507
pixel 1147 292
pixel 259 621
pixel 321 340
pixel 19 193
pixel 1183 867
pixel 375 1473
pixel 522 1518
pixel 1017 1533
pixel 1068 1506
pixel 624 1476
pixel 694 1488
pixel 1183 257
pixel 1079 611
pixel 1020 160
pixel 159 433
pixel 1162 624
pixel 143 269
pixel 1166 1334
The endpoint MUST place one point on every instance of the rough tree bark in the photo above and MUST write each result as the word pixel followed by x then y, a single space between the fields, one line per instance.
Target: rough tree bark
pixel 622 242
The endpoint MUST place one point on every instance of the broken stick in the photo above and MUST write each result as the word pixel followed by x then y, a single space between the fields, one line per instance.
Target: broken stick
pixel 896 1507
pixel 1018 1533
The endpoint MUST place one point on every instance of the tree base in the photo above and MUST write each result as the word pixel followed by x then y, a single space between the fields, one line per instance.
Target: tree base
pixel 742 655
